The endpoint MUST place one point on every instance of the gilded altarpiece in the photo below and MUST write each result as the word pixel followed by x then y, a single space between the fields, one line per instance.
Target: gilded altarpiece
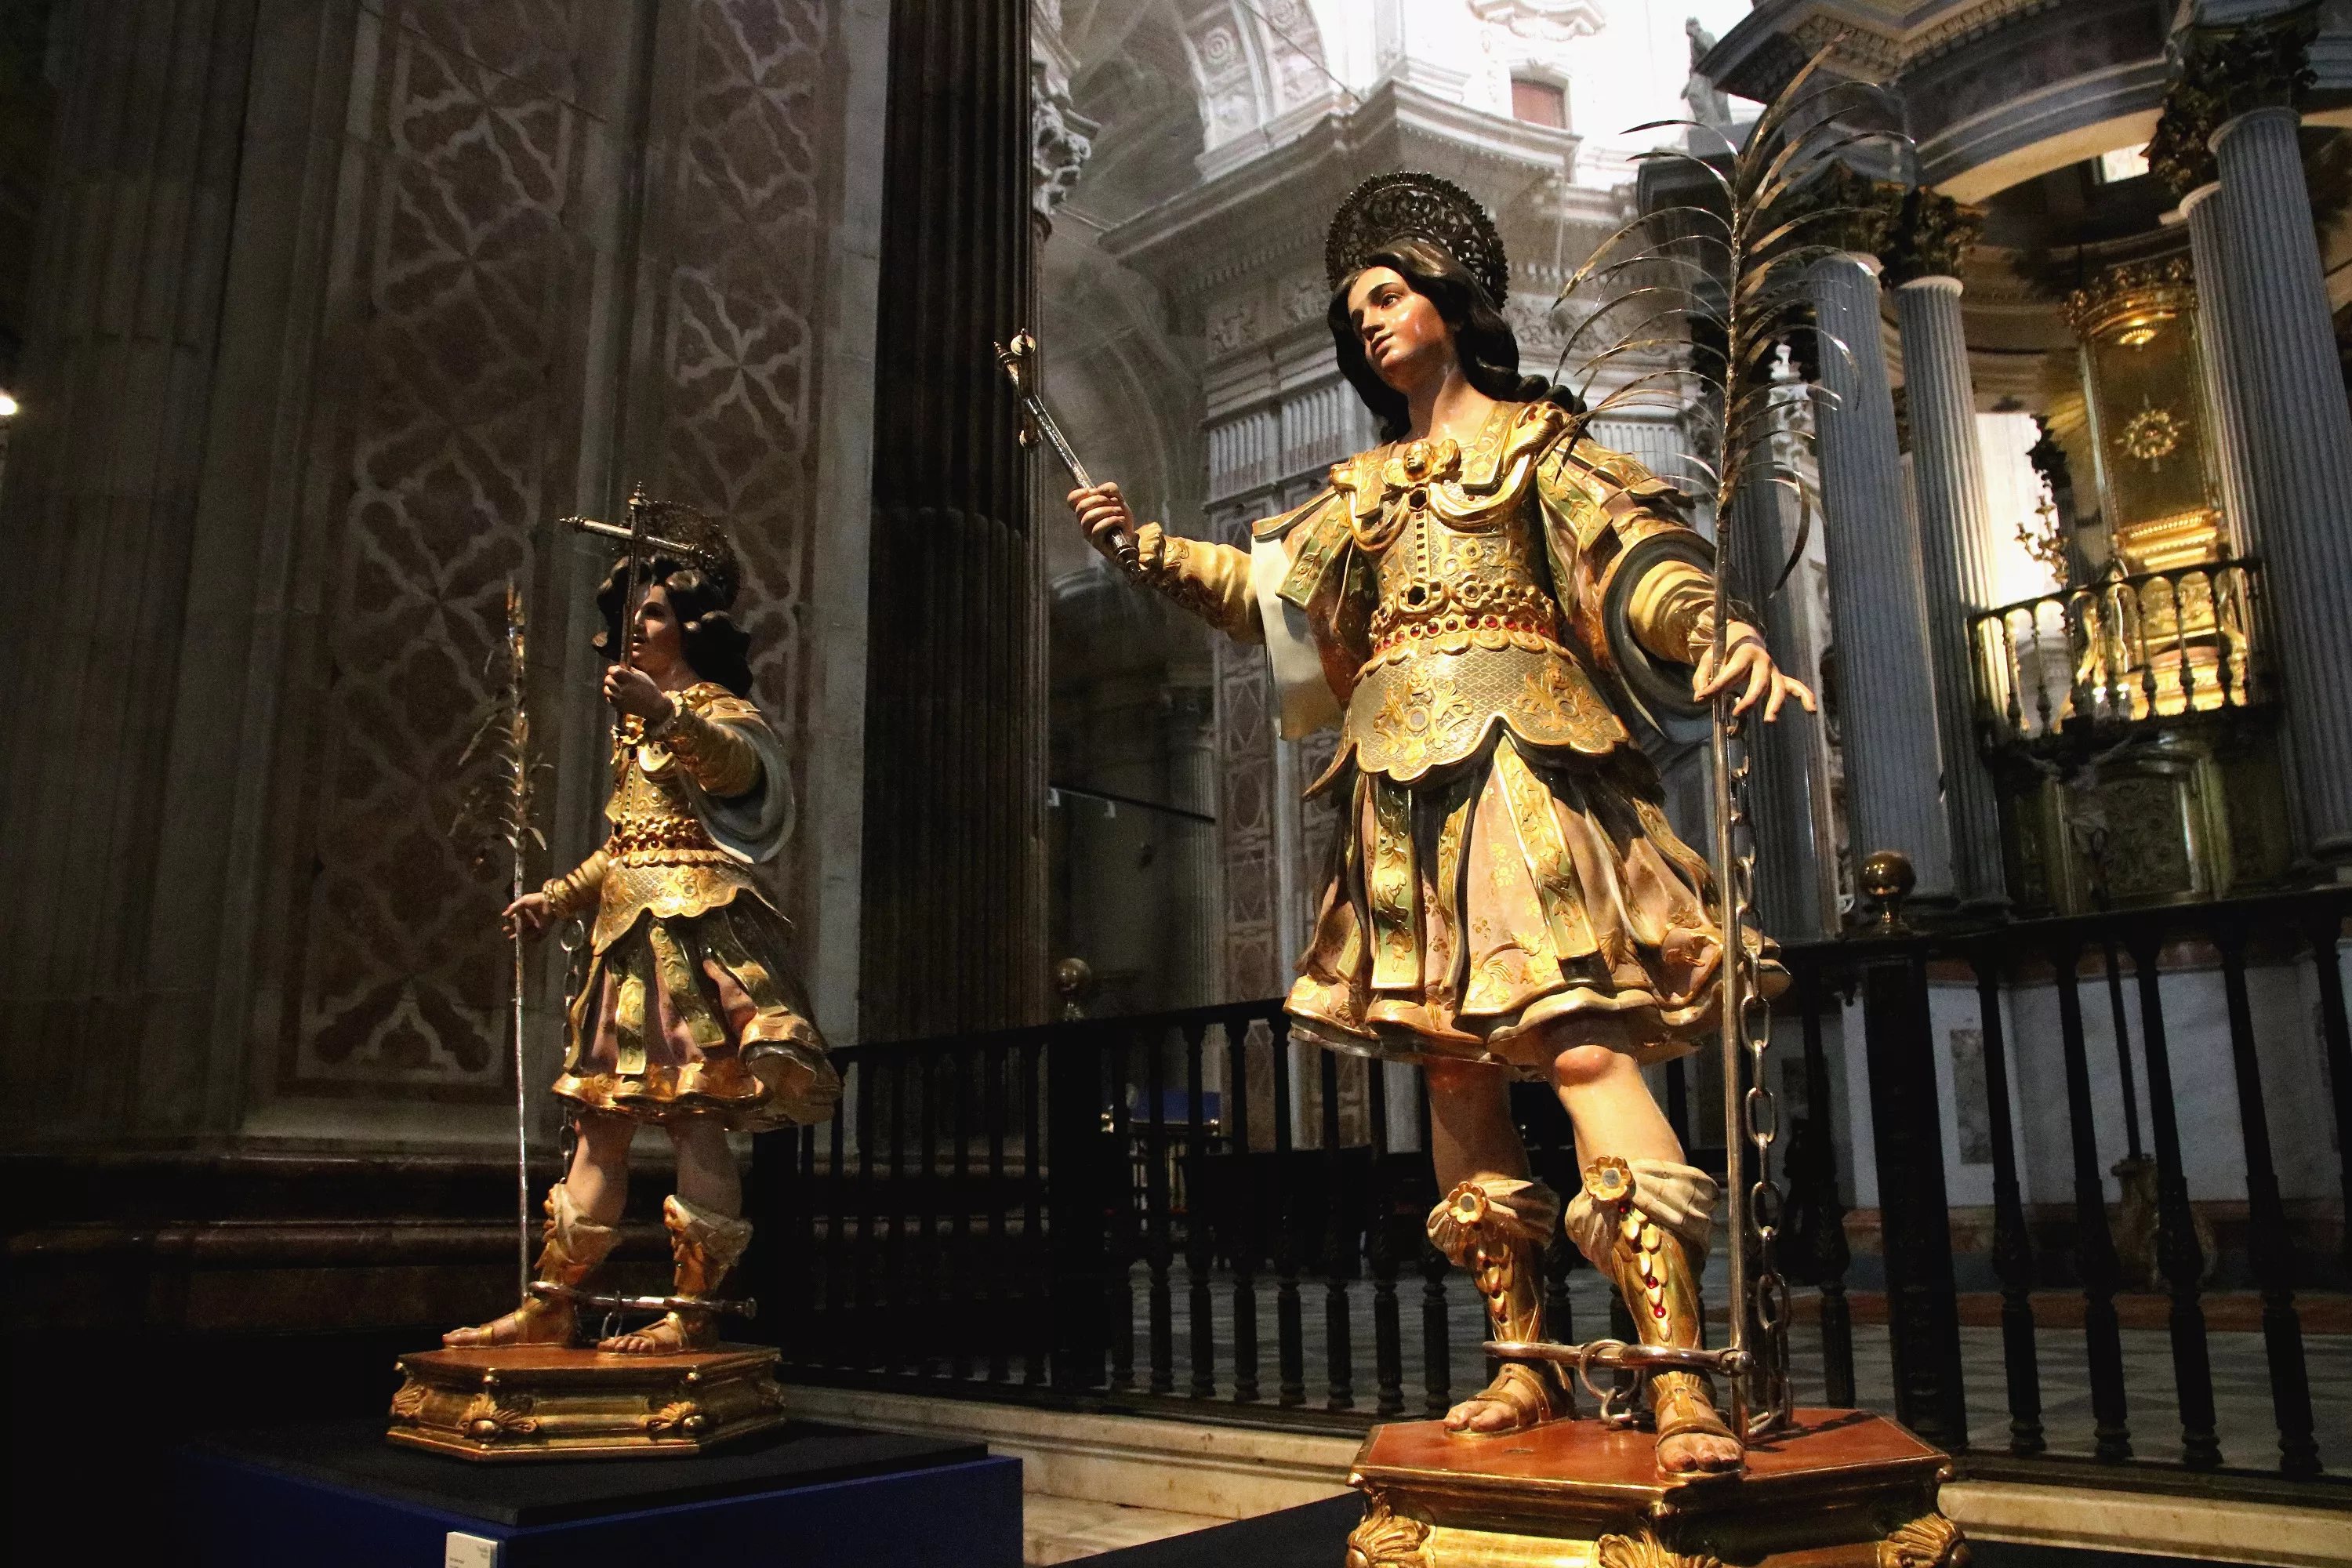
pixel 2133 723
pixel 532 308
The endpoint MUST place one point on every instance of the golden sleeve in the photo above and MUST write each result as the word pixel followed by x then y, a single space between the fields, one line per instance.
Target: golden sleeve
pixel 1212 581
pixel 1672 611
pixel 717 758
pixel 576 892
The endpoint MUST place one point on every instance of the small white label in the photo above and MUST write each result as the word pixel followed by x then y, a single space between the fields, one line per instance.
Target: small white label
pixel 465 1551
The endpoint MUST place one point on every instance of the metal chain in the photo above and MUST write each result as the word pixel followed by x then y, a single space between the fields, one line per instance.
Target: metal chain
pixel 1767 1294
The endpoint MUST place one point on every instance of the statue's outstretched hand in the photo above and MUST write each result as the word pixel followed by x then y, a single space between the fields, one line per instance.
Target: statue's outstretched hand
pixel 527 916
pixel 1103 514
pixel 1751 662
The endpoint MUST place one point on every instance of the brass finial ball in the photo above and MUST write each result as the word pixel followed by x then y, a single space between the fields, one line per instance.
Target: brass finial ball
pixel 1887 879
pixel 1074 979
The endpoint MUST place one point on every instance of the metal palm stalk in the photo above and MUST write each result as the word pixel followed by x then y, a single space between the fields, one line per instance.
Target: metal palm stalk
pixel 497 817
pixel 1695 299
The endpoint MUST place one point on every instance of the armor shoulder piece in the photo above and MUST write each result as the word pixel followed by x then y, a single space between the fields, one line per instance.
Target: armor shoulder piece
pixel 1281 524
pixel 720 706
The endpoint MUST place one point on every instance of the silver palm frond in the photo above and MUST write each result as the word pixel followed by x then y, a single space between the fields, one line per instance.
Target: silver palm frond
pixel 1689 307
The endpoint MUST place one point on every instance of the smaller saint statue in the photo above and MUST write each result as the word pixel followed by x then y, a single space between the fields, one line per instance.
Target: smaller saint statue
pixel 688 1014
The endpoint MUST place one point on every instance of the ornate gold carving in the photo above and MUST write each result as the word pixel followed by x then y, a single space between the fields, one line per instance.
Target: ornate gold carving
pixel 1930 1541
pixel 486 1420
pixel 408 1401
pixel 2151 435
pixel 1387 1539
pixel 1647 1551
pixel 680 1417
pixel 2136 295
pixel 513 1402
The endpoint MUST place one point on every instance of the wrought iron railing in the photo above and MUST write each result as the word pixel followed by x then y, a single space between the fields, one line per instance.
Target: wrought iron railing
pixel 2119 653
pixel 1187 1213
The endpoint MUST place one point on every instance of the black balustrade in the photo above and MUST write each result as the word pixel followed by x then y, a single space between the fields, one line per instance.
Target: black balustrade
pixel 1120 1209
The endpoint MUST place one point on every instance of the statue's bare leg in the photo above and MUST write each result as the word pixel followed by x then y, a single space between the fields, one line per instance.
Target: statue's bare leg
pixel 1616 1116
pixel 580 1233
pixel 707 1235
pixel 599 1177
pixel 1476 1148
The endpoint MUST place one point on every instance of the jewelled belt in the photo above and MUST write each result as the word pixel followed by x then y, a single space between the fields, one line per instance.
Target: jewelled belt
pixel 1492 629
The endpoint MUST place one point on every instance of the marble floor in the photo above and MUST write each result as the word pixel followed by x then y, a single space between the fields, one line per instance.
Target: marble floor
pixel 2245 1422
pixel 1063 1530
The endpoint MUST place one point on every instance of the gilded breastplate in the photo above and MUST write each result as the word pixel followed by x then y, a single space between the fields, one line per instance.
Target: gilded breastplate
pixel 1466 629
pixel 662 859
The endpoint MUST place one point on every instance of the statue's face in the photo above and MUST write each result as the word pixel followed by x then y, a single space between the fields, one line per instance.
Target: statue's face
pixel 654 645
pixel 1406 341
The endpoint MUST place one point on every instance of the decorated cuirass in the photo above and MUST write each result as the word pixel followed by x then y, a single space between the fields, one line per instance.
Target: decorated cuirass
pixel 1466 628
pixel 662 858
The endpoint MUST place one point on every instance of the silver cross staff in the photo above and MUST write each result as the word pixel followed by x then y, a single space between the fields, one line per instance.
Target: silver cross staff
pixel 1017 358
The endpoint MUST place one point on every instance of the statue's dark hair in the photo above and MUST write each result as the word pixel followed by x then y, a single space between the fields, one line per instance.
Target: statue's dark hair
pixel 1483 340
pixel 715 648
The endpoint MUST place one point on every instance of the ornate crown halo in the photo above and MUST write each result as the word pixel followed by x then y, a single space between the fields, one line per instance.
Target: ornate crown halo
pixel 708 548
pixel 1389 207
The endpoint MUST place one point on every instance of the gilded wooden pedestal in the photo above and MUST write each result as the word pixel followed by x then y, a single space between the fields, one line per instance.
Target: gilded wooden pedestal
pixel 550 1402
pixel 1841 1489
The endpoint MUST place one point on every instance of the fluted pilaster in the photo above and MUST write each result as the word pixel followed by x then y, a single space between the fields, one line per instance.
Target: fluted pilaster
pixel 1955 549
pixel 104 472
pixel 1886 690
pixel 954 890
pixel 2281 351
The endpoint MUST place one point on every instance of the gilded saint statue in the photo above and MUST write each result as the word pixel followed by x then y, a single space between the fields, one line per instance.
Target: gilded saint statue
pixel 1478 602
pixel 685 1014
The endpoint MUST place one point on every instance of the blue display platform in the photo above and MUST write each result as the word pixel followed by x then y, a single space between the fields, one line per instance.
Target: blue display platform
pixel 814 1496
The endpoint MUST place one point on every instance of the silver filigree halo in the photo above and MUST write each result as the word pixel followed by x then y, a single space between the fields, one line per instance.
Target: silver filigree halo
pixel 1390 207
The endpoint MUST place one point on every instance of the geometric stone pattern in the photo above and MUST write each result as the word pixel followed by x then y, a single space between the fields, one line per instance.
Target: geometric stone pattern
pixel 466 266
pixel 460 271
pixel 746 236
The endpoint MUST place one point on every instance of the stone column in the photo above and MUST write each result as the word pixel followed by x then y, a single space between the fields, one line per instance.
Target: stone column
pixel 2218 334
pixel 1195 874
pixel 2281 355
pixel 954 867
pixel 1927 245
pixel 1948 476
pixel 99 515
pixel 1886 689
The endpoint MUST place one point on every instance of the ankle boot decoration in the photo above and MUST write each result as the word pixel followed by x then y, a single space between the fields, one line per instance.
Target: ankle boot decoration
pixel 704 1245
pixel 570 1251
pixel 1644 1224
pixel 1496 1227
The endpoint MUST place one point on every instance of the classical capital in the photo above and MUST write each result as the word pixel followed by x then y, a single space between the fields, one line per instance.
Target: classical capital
pixel 1929 237
pixel 1843 210
pixel 2222 73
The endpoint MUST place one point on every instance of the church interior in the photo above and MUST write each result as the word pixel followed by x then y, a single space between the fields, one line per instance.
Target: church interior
pixel 556 597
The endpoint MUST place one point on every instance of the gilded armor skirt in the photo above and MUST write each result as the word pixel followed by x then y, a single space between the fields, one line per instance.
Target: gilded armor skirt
pixel 698 1016
pixel 1522 888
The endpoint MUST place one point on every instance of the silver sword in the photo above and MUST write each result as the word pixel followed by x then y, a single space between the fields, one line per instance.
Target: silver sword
pixel 1019 359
